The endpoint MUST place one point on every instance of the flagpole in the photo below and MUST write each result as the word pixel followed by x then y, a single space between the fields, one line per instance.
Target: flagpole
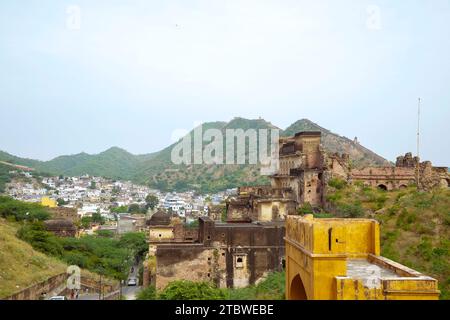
pixel 418 142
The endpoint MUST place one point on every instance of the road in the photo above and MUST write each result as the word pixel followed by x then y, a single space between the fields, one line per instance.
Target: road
pixel 130 292
pixel 88 296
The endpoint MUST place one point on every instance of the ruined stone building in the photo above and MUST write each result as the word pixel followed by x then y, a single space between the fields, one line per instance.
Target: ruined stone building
pixel 64 213
pixel 305 170
pixel 227 254
pixel 61 227
pixel 63 221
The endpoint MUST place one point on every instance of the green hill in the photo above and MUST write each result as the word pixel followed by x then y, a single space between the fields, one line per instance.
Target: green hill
pixel 5 177
pixel 157 169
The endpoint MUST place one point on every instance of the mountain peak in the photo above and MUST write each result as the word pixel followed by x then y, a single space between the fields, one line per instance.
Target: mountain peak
pixel 115 150
pixel 303 125
pixel 243 123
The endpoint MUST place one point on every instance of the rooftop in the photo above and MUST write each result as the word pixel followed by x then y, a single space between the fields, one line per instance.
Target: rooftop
pixel 361 269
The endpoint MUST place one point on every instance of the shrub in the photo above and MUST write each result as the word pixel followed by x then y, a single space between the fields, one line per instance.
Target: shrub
pixel 353 210
pixel 105 233
pixel 19 211
pixel 40 239
pixel 188 290
pixel 148 293
pixel 305 209
pixel 337 183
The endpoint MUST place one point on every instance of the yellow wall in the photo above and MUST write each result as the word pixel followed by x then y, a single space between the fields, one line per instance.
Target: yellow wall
pixel 47 202
pixel 266 210
pixel 161 234
pixel 321 262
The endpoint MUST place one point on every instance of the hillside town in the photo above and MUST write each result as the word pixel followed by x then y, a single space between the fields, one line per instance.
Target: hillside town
pixel 110 198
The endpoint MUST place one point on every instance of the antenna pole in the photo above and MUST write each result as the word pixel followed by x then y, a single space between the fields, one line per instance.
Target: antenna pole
pixel 418 142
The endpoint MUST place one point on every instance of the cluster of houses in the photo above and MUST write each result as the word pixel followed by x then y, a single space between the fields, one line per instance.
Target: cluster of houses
pixel 87 195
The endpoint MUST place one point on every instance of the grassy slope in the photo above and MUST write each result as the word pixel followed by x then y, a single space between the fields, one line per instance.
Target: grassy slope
pixel 415 226
pixel 20 265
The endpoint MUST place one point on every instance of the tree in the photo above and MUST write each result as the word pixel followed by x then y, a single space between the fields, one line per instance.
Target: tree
pixel 134 208
pixel 93 185
pixel 105 233
pixel 151 201
pixel 121 209
pixel 86 222
pixel 97 218
pixel 61 202
pixel 18 210
pixel 135 241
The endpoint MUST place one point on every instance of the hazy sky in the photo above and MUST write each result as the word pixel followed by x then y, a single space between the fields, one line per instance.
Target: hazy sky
pixel 87 75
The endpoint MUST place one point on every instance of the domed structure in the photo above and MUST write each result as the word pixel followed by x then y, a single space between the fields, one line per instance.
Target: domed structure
pixel 160 218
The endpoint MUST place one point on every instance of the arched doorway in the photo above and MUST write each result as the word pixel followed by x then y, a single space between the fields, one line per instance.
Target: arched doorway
pixel 382 187
pixel 297 289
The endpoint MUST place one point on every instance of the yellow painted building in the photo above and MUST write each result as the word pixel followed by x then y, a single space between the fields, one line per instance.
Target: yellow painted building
pixel 47 202
pixel 339 259
pixel 161 233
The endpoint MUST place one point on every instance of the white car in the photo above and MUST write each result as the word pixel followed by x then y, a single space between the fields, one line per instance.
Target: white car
pixel 58 298
pixel 132 282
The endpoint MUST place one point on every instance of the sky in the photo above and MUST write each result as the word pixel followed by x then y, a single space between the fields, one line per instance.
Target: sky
pixel 83 76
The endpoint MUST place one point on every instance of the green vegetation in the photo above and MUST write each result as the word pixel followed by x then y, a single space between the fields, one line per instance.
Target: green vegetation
pixel 136 208
pixel 61 202
pixel 20 265
pixel 148 293
pixel 271 288
pixel 188 290
pixel 105 233
pixel 100 254
pixel 121 209
pixel 152 201
pixel 337 183
pixel 305 209
pixel 415 225
pixel 192 225
pixel 15 210
pixel 5 176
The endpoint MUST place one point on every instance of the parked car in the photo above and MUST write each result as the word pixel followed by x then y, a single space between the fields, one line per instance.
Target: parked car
pixel 132 282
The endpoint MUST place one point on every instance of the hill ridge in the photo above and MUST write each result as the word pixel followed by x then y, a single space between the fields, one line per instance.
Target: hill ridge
pixel 151 168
